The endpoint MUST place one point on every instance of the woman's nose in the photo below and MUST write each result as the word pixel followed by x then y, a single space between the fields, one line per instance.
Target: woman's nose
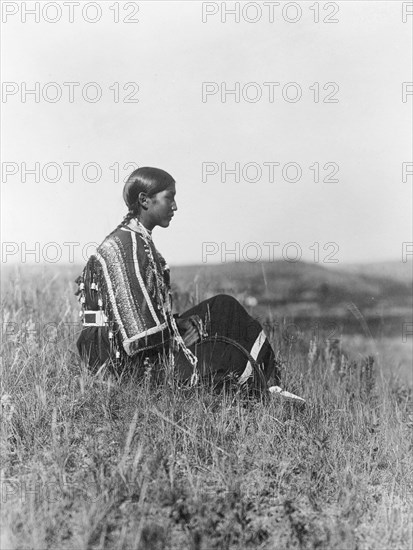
pixel 174 206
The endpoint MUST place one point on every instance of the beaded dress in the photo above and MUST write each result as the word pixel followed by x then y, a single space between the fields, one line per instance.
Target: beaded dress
pixel 125 297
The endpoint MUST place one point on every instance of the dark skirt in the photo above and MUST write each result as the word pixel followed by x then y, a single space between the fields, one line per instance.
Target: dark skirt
pixel 219 362
pixel 222 361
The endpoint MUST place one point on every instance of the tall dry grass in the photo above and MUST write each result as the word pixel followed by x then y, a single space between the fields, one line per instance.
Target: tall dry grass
pixel 92 462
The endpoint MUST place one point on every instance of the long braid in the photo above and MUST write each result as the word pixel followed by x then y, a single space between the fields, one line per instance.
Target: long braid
pixel 127 218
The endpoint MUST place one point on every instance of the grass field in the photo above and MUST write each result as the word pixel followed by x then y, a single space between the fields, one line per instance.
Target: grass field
pixel 91 462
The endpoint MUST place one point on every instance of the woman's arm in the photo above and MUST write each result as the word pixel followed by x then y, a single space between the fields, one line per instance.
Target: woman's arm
pixel 134 303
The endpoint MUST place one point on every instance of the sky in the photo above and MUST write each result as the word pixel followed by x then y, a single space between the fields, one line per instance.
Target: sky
pixel 333 101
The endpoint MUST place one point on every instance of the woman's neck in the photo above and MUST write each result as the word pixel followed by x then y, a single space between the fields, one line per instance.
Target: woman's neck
pixel 136 224
pixel 145 220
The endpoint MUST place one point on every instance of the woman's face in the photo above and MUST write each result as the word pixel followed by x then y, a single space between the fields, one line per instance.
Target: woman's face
pixel 161 208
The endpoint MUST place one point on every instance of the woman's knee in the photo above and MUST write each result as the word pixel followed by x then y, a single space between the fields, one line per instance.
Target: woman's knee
pixel 226 299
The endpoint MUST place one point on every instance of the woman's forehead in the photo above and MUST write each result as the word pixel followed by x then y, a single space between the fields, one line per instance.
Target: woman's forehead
pixel 170 190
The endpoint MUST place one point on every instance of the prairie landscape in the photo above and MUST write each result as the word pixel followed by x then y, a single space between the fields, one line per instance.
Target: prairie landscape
pixel 94 462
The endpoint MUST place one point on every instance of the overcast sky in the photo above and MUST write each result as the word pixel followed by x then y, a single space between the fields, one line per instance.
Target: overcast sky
pixel 359 124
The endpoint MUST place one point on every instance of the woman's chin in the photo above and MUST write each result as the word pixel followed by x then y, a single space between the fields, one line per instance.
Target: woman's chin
pixel 165 223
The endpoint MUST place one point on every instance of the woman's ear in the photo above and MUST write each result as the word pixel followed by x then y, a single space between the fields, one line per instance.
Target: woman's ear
pixel 143 200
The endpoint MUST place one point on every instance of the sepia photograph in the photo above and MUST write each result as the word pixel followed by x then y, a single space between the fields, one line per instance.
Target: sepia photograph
pixel 206 275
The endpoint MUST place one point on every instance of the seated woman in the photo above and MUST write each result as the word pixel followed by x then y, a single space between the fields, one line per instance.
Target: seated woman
pixel 127 310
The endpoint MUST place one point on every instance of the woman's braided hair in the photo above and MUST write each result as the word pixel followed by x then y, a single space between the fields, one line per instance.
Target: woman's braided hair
pixel 147 180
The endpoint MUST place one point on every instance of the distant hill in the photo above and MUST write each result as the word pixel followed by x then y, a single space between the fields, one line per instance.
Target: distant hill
pixel 306 294
pixel 281 283
pixel 401 271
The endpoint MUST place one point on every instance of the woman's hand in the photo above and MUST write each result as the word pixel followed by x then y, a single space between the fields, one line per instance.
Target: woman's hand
pixel 189 331
pixel 191 337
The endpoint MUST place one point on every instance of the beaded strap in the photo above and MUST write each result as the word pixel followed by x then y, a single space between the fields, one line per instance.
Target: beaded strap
pixel 165 301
